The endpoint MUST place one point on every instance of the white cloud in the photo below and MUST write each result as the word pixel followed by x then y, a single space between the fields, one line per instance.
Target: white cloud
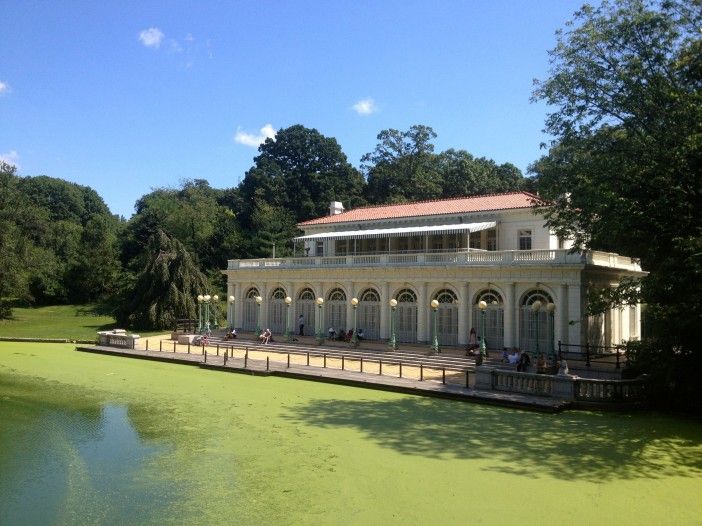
pixel 365 106
pixel 151 37
pixel 249 139
pixel 10 157
pixel 4 87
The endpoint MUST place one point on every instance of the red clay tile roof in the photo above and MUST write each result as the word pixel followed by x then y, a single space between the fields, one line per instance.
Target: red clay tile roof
pixel 459 205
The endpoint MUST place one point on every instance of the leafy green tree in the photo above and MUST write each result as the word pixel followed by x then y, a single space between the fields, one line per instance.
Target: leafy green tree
pixel 624 171
pixel 165 289
pixel 402 167
pixel 462 174
pixel 301 171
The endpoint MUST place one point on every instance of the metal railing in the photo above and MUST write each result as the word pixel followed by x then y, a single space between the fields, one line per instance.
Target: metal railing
pixel 611 355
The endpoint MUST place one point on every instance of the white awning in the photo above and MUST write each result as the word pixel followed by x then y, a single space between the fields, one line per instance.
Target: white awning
pixel 400 232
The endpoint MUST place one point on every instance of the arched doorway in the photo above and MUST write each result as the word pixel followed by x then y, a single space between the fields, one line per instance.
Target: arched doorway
pixel 406 316
pixel 447 317
pixel 305 306
pixel 369 314
pixel 250 310
pixel 276 311
pixel 335 309
pixel 494 318
pixel 533 322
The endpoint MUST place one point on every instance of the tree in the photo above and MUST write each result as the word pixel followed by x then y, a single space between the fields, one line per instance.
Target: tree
pixel 301 171
pixel 402 167
pixel 462 174
pixel 624 170
pixel 165 289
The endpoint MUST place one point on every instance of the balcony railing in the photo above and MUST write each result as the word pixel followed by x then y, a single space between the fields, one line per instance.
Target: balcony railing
pixel 456 259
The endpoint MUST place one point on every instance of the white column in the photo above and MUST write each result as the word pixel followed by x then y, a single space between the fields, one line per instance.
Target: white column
pixel 350 293
pixel 463 309
pixel 384 311
pixel 510 312
pixel 238 306
pixel 575 314
pixel 263 323
pixel 422 309
pixel 230 292
pixel 320 325
pixel 561 320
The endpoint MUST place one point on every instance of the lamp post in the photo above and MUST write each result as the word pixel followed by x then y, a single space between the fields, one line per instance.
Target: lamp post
pixel 435 339
pixel 200 299
pixel 288 301
pixel 258 300
pixel 550 308
pixel 206 300
pixel 536 307
pixel 320 335
pixel 215 301
pixel 232 299
pixel 393 340
pixel 482 305
pixel 354 336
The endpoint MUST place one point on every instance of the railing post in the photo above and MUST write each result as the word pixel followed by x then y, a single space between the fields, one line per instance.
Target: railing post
pixel 267 362
pixel 617 357
pixel 147 345
pixel 361 363
pixel 174 346
pixel 288 360
pixel 205 353
pixel 246 357
pixel 308 358
pixel 325 360
pixel 188 346
pixel 400 369
pixel 342 362
pixel 443 375
pixel 225 357
pixel 217 349
pixel 380 367
pixel 421 372
pixel 587 354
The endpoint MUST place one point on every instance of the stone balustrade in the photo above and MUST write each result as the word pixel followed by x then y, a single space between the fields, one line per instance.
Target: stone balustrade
pixel 564 387
pixel 117 338
pixel 469 257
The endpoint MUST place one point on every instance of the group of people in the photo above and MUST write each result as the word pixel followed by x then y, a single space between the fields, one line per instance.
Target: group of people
pixel 522 360
pixel 342 335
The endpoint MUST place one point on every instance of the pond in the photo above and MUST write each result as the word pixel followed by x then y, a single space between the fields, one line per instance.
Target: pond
pixel 108 440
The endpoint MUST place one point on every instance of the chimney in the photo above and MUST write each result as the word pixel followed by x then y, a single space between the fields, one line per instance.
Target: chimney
pixel 335 207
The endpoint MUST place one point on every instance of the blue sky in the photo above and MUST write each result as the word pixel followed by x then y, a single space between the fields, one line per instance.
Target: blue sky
pixel 129 96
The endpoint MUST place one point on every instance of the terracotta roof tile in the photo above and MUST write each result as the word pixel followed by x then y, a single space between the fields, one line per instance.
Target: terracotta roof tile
pixel 460 205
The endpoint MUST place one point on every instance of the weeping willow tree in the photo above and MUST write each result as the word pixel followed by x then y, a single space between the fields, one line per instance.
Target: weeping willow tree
pixel 166 288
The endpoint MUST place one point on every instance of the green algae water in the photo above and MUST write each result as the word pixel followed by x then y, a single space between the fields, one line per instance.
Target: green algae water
pixel 90 439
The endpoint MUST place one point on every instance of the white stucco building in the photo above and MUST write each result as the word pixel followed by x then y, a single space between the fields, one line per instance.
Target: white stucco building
pixel 457 251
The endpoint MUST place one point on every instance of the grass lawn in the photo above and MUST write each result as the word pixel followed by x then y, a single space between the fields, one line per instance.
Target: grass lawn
pixel 75 322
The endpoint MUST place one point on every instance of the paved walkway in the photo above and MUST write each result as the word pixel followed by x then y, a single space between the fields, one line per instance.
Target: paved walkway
pixel 419 374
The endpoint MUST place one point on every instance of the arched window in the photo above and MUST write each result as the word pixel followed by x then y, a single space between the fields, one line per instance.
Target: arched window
pixel 277 311
pixel 494 318
pixel 335 310
pixel 369 314
pixel 533 323
pixel 406 316
pixel 304 306
pixel 447 317
pixel 250 310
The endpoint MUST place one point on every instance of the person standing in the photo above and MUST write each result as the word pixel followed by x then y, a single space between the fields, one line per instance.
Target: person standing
pixel 301 324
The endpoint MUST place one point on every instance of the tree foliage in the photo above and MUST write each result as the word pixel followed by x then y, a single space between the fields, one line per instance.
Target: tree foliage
pixel 624 171
pixel 165 288
pixel 403 167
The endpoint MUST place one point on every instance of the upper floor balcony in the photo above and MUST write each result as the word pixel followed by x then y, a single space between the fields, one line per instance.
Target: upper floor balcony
pixel 460 258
